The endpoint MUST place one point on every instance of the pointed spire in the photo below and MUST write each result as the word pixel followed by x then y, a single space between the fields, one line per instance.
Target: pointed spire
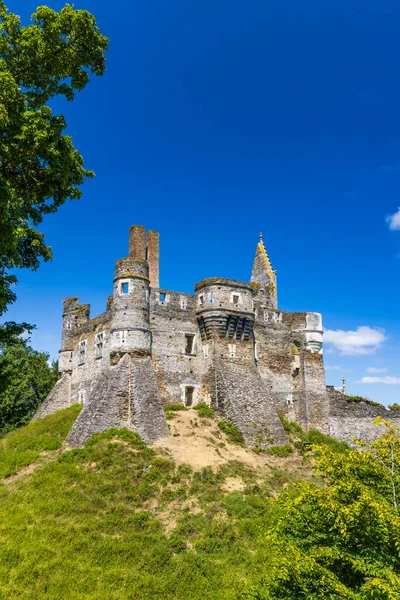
pixel 263 273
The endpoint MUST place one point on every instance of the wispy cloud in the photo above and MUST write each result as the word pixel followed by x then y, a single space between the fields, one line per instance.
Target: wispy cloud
pixel 376 370
pixel 333 368
pixel 394 220
pixel 364 340
pixel 386 380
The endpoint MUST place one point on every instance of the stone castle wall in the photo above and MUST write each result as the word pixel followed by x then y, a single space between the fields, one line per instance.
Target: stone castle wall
pixel 227 345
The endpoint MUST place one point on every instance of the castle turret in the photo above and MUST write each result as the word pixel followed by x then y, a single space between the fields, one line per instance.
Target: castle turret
pixel 263 278
pixel 74 315
pixel 224 309
pixel 130 332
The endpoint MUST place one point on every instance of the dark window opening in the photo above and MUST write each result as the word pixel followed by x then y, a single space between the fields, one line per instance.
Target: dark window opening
pixel 162 296
pixel 235 300
pixel 124 288
pixel 189 396
pixel 189 343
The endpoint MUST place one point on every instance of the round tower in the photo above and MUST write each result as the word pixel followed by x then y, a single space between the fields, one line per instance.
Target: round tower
pixel 224 309
pixel 130 332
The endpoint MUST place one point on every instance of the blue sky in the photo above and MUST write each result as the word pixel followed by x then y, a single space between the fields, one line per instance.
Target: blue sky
pixel 219 119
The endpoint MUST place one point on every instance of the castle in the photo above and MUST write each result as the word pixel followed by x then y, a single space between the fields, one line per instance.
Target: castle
pixel 227 345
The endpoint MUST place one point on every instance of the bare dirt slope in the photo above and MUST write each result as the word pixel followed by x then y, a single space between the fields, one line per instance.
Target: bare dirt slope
pixel 200 443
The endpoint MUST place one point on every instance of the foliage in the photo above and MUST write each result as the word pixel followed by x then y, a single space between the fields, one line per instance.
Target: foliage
pixel 204 410
pixel 39 167
pixel 285 450
pixel 25 380
pixel 232 432
pixel 308 438
pixel 23 446
pixel 394 406
pixel 340 540
pixel 171 409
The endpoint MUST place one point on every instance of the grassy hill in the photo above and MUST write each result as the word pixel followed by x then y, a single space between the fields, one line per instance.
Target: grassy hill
pixel 198 516
pixel 117 520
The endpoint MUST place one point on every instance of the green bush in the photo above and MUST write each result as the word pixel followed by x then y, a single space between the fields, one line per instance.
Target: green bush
pixel 232 432
pixel 204 411
pixel 313 436
pixel 282 451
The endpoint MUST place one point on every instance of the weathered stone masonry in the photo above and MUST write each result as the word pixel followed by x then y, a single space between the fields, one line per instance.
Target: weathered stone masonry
pixel 227 345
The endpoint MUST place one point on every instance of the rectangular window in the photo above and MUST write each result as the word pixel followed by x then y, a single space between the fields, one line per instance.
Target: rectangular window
pixel 162 297
pixel 99 342
pixel 189 343
pixel 189 395
pixel 201 299
pixel 124 287
pixel 82 352
pixel 211 297
pixel 235 299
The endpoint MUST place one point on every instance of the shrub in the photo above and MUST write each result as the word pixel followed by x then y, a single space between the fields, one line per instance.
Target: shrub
pixel 232 432
pixel 282 451
pixel 394 406
pixel 204 411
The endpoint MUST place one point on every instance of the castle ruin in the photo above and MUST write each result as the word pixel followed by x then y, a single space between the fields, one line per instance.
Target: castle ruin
pixel 227 345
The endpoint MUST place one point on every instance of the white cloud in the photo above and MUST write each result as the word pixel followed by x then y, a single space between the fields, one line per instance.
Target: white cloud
pixel 364 340
pixel 333 368
pixel 394 220
pixel 376 370
pixel 387 380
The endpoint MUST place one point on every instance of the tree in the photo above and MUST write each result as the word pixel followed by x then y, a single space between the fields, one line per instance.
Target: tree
pixel 25 380
pixel 39 167
pixel 340 539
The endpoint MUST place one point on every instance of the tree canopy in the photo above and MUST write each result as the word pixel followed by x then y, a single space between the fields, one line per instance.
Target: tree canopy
pixel 39 166
pixel 340 539
pixel 26 377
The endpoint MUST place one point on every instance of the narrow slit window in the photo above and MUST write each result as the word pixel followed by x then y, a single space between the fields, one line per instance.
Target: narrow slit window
pixel 123 336
pixel 235 300
pixel 189 391
pixel 82 352
pixel 189 343
pixel 99 343
pixel 211 297
pixel 201 299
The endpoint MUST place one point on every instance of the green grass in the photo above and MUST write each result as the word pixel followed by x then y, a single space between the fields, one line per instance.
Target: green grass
pixel 113 521
pixel 286 450
pixel 232 432
pixel 302 439
pixel 23 446
pixel 204 411
pixel 171 409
